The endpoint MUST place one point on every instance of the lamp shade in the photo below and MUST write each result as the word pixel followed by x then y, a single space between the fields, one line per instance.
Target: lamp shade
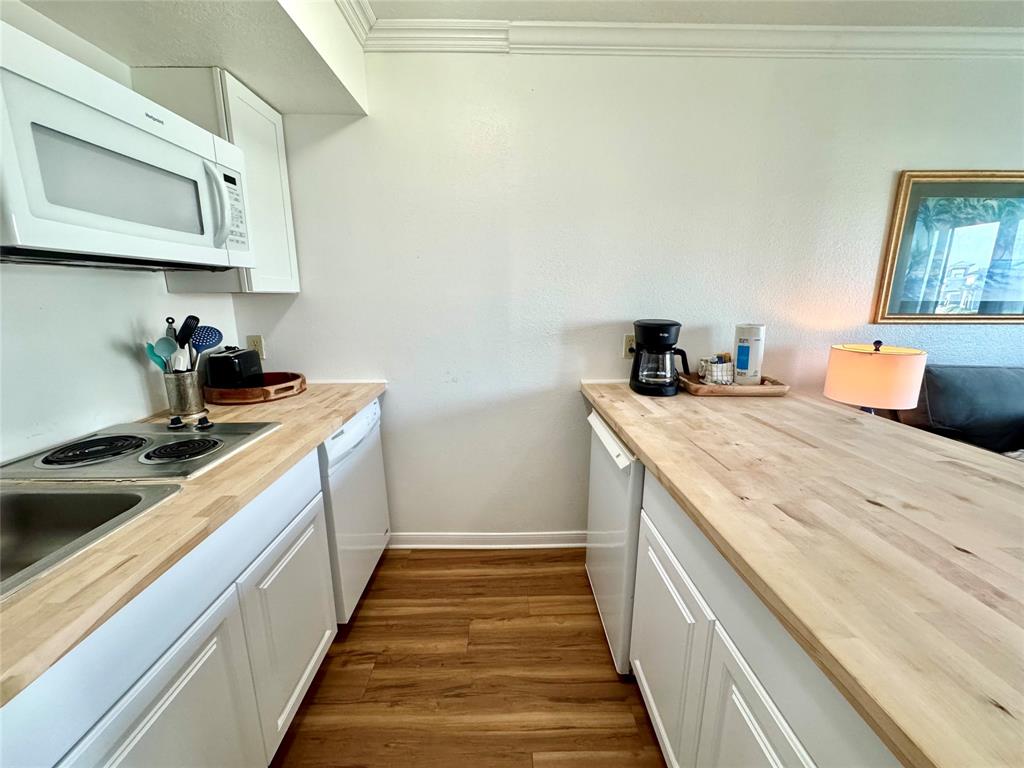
pixel 875 376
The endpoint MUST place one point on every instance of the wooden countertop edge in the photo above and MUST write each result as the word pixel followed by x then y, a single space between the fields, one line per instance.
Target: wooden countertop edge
pixel 894 737
pixel 15 679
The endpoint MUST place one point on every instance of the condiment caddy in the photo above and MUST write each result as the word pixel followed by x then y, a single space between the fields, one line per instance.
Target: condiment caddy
pixel 739 375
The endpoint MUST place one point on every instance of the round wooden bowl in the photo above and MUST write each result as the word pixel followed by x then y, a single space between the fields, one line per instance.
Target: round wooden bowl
pixel 276 386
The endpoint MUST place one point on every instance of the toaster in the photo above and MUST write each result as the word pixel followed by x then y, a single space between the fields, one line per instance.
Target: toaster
pixel 234 368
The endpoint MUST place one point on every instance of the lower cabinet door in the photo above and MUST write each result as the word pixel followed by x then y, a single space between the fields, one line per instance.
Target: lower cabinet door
pixel 742 728
pixel 288 610
pixel 194 707
pixel 668 649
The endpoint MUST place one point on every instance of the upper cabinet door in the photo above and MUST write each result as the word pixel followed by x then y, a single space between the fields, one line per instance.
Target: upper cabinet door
pixel 669 646
pixel 742 728
pixel 258 130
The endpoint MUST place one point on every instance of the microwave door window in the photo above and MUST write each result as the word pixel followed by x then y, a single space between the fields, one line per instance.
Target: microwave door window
pixel 86 177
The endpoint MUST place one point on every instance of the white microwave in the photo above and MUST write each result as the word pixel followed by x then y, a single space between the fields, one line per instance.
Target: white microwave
pixel 93 173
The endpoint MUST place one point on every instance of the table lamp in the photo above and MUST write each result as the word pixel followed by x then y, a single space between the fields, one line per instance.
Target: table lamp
pixel 873 376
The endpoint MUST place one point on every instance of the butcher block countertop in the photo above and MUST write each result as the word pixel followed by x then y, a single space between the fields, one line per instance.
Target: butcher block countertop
pixel 44 620
pixel 893 556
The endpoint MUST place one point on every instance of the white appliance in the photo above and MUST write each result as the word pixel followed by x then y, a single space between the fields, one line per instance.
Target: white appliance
pixel 358 521
pixel 95 173
pixel 613 526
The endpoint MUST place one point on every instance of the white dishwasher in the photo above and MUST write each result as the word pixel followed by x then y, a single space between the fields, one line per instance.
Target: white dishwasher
pixel 356 500
pixel 613 526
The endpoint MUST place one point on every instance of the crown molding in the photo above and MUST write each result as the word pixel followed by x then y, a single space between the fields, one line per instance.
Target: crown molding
pixel 360 17
pixel 765 41
pixel 731 40
pixel 438 36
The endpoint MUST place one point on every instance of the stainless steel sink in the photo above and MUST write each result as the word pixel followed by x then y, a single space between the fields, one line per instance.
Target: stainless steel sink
pixel 43 524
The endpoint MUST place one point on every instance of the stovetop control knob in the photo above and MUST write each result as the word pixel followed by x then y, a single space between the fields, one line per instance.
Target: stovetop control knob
pixel 203 424
pixel 176 423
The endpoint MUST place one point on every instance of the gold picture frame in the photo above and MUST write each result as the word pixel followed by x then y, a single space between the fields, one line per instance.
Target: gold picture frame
pixel 901 263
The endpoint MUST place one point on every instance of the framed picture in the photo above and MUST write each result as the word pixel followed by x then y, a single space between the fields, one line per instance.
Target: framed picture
pixel 955 252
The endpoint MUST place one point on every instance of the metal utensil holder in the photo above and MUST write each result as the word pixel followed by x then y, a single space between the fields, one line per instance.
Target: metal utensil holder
pixel 184 394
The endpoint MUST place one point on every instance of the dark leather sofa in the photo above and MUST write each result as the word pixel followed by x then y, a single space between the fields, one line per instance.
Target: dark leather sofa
pixel 981 405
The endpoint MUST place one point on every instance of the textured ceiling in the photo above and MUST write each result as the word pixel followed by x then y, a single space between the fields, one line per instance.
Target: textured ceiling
pixel 981 13
pixel 255 40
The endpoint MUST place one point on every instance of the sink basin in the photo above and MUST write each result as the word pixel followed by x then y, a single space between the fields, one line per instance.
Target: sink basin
pixel 41 525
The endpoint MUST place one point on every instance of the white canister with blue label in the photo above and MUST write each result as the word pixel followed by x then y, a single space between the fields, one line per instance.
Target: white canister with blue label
pixel 749 353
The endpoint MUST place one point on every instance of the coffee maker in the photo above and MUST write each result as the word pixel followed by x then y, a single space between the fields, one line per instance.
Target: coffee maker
pixel 654 358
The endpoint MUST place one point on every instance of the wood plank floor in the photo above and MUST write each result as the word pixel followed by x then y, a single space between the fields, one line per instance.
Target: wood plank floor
pixel 489 659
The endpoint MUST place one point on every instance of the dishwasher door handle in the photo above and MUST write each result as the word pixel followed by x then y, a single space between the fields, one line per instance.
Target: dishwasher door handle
pixel 340 459
pixel 620 455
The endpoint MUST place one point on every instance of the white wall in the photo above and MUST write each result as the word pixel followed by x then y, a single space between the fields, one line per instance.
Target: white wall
pixel 72 355
pixel 485 237
pixel 72 349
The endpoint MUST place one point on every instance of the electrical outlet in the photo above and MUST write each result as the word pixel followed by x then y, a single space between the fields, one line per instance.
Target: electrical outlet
pixel 628 344
pixel 256 342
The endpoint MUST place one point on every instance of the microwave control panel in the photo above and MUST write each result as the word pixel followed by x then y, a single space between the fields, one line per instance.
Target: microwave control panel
pixel 238 233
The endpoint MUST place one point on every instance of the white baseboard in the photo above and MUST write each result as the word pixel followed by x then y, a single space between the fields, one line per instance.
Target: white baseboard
pixel 516 540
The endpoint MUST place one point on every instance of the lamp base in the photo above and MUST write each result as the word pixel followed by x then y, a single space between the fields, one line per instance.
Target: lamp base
pixel 883 413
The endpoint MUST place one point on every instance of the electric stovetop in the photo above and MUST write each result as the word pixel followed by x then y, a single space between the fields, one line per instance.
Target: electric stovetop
pixel 138 452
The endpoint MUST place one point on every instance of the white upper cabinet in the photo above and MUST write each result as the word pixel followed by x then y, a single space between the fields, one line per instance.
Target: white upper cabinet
pixel 215 100
pixel 258 131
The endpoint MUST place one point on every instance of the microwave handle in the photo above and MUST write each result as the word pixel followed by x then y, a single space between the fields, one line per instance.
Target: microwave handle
pixel 221 204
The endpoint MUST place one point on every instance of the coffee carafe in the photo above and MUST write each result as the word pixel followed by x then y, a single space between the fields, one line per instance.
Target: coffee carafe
pixel 654 358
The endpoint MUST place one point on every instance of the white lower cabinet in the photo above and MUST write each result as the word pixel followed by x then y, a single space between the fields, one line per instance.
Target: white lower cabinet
pixel 669 646
pixel 204 668
pixel 195 707
pixel 741 726
pixel 707 707
pixel 725 684
pixel 288 610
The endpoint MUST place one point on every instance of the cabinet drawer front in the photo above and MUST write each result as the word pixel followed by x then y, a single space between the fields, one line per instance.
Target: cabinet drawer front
pixel 195 706
pixel 742 726
pixel 669 645
pixel 288 611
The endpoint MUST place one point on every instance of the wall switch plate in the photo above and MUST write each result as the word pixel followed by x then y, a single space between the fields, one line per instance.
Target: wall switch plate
pixel 256 342
pixel 628 343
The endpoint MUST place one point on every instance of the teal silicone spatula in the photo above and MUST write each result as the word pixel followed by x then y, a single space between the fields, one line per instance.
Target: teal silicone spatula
pixel 165 347
pixel 158 361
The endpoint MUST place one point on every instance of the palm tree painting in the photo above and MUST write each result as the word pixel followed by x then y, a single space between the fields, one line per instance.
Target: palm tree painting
pixel 956 249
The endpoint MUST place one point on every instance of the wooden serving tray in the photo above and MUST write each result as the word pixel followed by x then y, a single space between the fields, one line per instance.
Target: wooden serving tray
pixel 769 388
pixel 276 386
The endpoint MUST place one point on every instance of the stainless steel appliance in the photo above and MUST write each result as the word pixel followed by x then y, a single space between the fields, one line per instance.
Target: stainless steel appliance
pixel 138 452
pixel 613 525
pixel 654 358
